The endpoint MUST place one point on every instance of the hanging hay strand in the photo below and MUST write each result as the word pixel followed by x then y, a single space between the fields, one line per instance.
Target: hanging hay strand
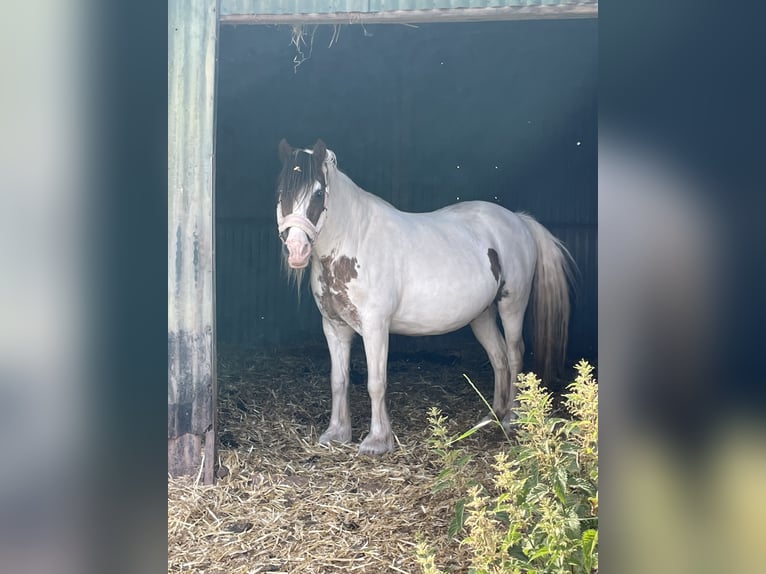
pixel 283 503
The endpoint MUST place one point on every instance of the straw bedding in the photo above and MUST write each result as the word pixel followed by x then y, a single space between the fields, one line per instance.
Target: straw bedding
pixel 283 503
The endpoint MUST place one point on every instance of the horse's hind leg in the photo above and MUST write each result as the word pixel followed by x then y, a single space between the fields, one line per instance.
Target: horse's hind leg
pixel 339 337
pixel 485 329
pixel 512 317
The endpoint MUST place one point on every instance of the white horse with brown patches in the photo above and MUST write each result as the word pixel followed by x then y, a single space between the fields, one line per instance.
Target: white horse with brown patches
pixel 376 270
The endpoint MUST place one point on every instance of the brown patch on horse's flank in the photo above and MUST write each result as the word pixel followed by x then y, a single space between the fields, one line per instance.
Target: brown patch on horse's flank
pixel 334 299
pixel 494 263
pixel 501 291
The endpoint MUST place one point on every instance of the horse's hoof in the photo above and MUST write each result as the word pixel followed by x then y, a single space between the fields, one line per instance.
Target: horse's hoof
pixel 340 435
pixel 375 446
pixel 510 426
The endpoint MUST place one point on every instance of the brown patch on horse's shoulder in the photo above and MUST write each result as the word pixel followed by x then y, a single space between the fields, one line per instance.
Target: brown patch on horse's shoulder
pixel 494 263
pixel 345 268
pixel 334 299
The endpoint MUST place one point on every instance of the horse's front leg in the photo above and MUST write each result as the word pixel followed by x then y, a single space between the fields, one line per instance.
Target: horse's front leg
pixel 380 440
pixel 339 337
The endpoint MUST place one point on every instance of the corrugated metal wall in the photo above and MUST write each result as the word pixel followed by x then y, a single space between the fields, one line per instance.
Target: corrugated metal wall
pixel 366 6
pixel 418 133
pixel 256 305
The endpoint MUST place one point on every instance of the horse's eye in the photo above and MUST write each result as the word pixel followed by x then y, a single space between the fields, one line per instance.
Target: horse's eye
pixel 319 192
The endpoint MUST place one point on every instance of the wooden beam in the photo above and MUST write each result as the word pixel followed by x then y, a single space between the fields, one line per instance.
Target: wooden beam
pixel 192 45
pixel 422 16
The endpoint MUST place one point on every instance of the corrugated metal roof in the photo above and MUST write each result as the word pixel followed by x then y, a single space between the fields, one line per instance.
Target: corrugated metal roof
pixel 402 10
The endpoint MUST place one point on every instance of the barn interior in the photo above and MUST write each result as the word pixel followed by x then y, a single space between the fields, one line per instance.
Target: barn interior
pixel 424 116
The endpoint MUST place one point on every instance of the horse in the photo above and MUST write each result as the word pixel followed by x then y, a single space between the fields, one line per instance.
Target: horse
pixel 376 270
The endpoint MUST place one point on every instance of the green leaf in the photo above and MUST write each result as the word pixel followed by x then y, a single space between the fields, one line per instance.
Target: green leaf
pixel 589 542
pixel 472 430
pixel 503 517
pixel 525 454
pixel 446 474
pixel 462 461
pixel 560 484
pixel 537 493
pixel 457 522
pixel 544 551
pixel 518 554
pixel 444 484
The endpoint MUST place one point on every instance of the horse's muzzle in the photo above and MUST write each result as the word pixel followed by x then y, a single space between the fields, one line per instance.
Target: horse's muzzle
pixel 299 251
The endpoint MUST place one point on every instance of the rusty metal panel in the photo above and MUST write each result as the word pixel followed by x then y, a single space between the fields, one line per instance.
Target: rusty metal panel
pixel 192 38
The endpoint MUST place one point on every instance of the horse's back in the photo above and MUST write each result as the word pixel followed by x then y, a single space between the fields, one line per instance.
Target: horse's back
pixel 449 264
pixel 491 226
pixel 484 218
pixel 459 238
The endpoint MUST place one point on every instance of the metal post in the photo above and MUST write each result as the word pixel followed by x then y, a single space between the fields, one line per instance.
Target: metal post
pixel 192 48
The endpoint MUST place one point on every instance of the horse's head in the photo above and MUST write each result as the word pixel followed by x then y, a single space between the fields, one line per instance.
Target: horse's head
pixel 302 197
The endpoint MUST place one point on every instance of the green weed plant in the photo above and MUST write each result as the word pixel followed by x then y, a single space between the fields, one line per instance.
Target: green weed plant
pixel 539 515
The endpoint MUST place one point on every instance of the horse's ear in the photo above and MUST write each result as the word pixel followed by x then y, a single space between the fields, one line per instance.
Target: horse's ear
pixel 285 149
pixel 320 152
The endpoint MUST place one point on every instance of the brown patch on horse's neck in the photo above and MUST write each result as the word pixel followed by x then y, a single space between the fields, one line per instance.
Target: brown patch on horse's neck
pixel 334 298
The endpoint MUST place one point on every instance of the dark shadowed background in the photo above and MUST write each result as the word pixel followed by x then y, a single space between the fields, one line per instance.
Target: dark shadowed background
pixel 422 116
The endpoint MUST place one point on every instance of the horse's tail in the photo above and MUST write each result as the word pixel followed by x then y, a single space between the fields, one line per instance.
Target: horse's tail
pixel 550 300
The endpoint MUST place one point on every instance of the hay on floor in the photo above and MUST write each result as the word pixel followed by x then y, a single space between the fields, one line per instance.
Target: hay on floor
pixel 283 503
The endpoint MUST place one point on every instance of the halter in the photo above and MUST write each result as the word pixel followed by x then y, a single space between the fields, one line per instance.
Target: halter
pixel 304 223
